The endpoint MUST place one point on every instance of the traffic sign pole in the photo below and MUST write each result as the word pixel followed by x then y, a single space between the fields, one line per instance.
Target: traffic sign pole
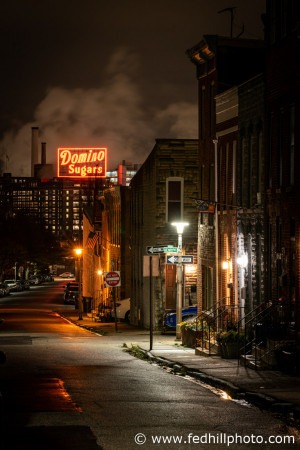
pixel 113 280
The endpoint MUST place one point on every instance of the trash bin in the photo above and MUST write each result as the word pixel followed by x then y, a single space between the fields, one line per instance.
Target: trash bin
pixel 87 304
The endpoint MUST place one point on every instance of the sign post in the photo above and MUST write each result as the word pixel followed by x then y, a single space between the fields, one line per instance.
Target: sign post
pixel 113 280
pixel 150 270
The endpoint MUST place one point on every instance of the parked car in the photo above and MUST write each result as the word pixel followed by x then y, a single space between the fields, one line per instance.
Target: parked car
pixel 13 285
pixel 25 285
pixel 122 309
pixel 66 275
pixel 48 277
pixel 34 280
pixel 169 318
pixel 71 294
pixel 4 289
pixel 71 283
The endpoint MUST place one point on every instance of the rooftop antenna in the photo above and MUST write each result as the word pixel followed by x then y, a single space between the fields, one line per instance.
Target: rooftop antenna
pixel 231 10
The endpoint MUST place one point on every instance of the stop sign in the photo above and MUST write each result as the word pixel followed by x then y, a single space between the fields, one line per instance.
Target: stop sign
pixel 113 279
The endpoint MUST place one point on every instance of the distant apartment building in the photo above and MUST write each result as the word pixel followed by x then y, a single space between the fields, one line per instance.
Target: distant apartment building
pixel 123 173
pixel 57 202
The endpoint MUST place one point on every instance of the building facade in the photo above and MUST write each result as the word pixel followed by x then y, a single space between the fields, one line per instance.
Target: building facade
pixel 164 190
pixel 282 156
pixel 221 64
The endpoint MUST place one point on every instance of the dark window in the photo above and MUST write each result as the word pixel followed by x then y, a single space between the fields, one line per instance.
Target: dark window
pixel 292 144
pixel 174 200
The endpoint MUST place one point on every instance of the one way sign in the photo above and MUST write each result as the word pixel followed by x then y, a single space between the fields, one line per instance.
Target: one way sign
pixel 186 259
pixel 152 250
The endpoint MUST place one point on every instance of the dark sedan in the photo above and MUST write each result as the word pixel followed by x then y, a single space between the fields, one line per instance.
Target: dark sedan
pixel 71 294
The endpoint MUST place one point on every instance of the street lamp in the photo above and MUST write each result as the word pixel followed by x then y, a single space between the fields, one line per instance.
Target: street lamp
pixel 78 252
pixel 180 228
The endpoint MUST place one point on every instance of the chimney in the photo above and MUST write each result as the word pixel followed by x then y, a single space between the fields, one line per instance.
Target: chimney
pixel 43 153
pixel 34 148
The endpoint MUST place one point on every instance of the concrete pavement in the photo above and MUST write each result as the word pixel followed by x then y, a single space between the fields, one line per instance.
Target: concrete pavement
pixel 268 389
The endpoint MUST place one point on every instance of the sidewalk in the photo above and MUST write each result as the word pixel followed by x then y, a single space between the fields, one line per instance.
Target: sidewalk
pixel 269 389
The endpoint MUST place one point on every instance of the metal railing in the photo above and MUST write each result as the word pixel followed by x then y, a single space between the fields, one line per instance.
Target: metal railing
pixel 209 323
pixel 264 330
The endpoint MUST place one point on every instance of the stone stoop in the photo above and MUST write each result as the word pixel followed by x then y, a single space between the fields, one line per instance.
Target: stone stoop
pixel 214 350
pixel 250 362
pixel 263 360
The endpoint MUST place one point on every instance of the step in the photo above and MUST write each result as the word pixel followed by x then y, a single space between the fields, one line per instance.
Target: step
pixel 204 352
pixel 249 361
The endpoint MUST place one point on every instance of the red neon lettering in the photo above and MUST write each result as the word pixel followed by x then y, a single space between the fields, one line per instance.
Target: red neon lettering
pixel 80 157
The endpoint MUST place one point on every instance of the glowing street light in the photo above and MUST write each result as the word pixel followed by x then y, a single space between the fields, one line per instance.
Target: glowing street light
pixel 78 253
pixel 180 228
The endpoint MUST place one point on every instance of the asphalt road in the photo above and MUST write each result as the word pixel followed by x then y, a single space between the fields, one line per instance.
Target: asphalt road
pixel 66 388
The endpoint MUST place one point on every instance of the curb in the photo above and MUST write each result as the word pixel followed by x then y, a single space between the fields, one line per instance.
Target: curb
pixel 288 412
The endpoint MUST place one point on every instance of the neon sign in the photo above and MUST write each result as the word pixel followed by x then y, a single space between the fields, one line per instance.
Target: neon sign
pixel 81 162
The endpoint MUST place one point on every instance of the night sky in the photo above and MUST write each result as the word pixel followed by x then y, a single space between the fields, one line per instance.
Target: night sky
pixel 104 72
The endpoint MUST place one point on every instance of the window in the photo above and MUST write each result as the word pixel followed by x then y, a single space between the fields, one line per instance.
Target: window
pixel 212 115
pixel 270 152
pixel 234 167
pixel 174 202
pixel 259 168
pixel 202 118
pixel 280 148
pixel 292 145
pixel 207 287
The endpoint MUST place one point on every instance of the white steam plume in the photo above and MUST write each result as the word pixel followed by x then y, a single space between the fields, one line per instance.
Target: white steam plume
pixel 115 115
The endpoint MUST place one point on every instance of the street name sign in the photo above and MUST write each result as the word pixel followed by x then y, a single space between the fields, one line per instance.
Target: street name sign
pixel 186 259
pixel 170 249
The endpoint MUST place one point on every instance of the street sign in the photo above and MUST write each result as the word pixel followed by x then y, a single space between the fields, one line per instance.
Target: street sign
pixel 186 259
pixel 170 249
pixel 154 250
pixel 112 279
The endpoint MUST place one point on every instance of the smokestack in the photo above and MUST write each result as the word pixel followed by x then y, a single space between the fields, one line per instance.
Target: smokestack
pixel 34 148
pixel 43 153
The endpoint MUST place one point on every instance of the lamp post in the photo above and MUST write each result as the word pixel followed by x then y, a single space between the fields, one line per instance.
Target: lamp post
pixel 78 252
pixel 179 227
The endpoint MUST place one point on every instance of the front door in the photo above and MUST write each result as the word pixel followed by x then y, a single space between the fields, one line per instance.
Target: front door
pixel 171 286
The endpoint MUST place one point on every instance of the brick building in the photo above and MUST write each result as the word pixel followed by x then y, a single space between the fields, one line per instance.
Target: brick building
pixel 282 157
pixel 221 64
pixel 163 190
pixel 250 196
